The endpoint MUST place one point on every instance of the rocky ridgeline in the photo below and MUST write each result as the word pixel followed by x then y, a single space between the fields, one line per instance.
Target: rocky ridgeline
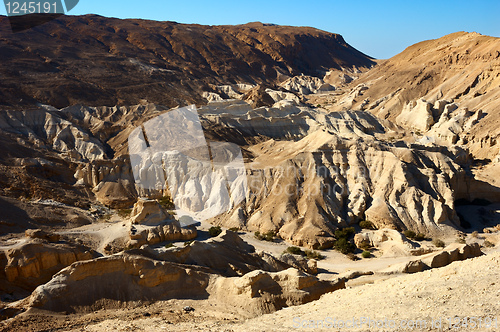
pixel 445 90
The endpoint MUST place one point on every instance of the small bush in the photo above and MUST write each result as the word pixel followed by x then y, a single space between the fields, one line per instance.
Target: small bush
pixel 166 203
pixel 188 243
pixel 409 234
pixel 344 246
pixel 365 224
pixel 268 236
pixel 214 231
pixel 342 242
pixel 344 232
pixel 234 229
pixel 420 237
pixel 169 245
pixel 352 257
pixel 438 243
pixel 312 254
pixel 365 246
pixel 295 251
pixel 366 254
pixel 488 244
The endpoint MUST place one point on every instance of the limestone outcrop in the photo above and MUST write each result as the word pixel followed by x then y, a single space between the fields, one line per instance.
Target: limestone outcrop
pixel 390 242
pixel 122 279
pixel 453 252
pixel 300 263
pixel 166 231
pixel 35 262
pixel 259 292
pixel 118 279
pixel 306 85
pixel 151 224
pixel 226 254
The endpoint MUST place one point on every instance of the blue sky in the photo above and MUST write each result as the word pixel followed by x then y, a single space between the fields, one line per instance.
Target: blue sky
pixel 378 28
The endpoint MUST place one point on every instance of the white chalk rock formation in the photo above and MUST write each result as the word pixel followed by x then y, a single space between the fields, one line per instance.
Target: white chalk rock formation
pixel 305 84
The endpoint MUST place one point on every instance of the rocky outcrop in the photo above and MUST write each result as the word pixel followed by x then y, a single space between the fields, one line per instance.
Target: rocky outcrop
pixel 453 252
pixel 111 181
pixel 118 279
pixel 122 279
pixel 148 212
pixel 417 115
pixel 151 224
pixel 259 292
pixel 35 262
pixel 258 97
pixel 226 254
pixel 166 231
pixel 39 234
pixel 306 85
pixel 44 128
pixel 300 263
pixel 281 95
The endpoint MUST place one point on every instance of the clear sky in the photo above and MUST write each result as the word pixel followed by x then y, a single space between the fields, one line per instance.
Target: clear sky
pixel 378 28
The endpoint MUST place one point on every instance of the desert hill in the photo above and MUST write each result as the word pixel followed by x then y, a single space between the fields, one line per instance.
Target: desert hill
pixel 98 61
pixel 461 70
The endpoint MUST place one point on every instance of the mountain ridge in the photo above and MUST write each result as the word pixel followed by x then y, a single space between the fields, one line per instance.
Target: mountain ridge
pixel 96 61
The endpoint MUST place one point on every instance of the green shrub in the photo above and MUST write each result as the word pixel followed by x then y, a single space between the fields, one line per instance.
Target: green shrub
pixel 344 246
pixel 344 232
pixel 352 257
pixel 295 251
pixel 312 254
pixel 234 229
pixel 188 243
pixel 420 237
pixel 365 245
pixel 365 224
pixel 166 203
pixel 409 234
pixel 214 231
pixel 366 254
pixel 268 236
pixel 438 243
pixel 169 245
pixel 342 242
